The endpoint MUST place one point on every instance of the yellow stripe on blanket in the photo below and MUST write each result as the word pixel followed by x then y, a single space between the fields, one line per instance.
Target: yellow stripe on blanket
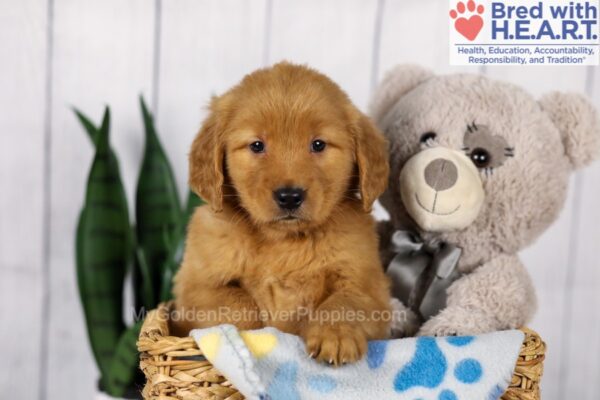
pixel 259 344
pixel 209 344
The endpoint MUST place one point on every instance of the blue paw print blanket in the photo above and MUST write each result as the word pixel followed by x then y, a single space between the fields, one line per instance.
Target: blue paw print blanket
pixel 267 364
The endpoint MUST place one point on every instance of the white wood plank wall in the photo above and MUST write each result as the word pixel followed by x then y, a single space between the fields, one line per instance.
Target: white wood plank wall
pixel 60 53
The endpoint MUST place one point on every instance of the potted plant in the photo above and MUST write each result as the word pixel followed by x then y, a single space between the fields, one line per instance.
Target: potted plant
pixel 109 246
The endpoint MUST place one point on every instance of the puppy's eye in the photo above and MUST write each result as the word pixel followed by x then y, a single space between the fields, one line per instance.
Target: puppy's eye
pixel 428 138
pixel 317 146
pixel 257 147
pixel 481 157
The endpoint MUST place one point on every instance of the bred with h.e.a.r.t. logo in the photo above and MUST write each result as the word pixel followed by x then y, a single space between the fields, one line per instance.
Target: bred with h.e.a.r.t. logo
pixel 523 32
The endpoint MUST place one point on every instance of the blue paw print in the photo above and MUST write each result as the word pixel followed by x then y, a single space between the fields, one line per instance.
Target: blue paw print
pixel 447 395
pixel 459 341
pixel 283 385
pixel 468 371
pixel 321 383
pixel 429 366
pixel 376 353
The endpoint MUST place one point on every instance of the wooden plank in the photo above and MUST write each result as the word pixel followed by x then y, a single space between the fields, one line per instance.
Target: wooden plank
pixel 199 60
pixel 102 55
pixel 333 38
pixel 416 32
pixel 548 259
pixel 22 154
pixel 541 80
pixel 582 327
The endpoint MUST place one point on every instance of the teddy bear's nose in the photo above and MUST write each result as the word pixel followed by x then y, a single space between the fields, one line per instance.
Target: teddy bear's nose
pixel 441 174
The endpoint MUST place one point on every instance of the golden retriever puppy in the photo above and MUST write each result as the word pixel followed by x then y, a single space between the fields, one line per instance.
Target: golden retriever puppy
pixel 290 169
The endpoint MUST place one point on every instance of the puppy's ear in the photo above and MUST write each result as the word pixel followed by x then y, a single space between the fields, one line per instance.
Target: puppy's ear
pixel 206 160
pixel 578 124
pixel 395 84
pixel 372 160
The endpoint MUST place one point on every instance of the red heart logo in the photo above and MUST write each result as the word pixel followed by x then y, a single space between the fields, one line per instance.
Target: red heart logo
pixel 469 28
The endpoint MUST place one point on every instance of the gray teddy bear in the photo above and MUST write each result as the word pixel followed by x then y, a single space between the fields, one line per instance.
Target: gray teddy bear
pixel 479 169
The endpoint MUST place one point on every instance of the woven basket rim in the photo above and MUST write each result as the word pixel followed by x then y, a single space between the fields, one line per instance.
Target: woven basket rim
pixel 175 368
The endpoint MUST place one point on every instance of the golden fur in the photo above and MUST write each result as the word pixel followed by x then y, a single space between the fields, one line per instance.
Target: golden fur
pixel 241 256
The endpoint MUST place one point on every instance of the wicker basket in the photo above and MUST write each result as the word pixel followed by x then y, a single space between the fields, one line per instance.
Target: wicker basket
pixel 175 372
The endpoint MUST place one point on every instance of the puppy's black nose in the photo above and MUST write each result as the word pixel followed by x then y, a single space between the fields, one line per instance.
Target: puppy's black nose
pixel 289 198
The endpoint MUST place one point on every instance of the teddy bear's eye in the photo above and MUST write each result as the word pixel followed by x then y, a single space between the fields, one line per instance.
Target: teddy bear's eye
pixel 428 138
pixel 486 150
pixel 481 157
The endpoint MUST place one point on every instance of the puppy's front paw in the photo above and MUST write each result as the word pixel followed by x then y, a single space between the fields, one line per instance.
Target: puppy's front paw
pixel 335 344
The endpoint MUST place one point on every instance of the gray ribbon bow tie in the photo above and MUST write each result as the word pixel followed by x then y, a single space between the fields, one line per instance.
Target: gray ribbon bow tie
pixel 422 271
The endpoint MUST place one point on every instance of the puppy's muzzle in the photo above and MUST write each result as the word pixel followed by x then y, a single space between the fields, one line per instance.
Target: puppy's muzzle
pixel 441 189
pixel 289 198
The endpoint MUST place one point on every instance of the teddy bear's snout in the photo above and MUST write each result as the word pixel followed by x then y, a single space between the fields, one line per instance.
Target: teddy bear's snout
pixel 441 174
pixel 441 189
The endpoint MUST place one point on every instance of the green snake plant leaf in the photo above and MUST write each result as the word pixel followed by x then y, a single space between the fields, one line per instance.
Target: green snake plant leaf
pixel 171 266
pixel 91 129
pixel 176 247
pixel 124 366
pixel 140 275
pixel 145 289
pixel 103 251
pixel 94 133
pixel 157 202
pixel 88 125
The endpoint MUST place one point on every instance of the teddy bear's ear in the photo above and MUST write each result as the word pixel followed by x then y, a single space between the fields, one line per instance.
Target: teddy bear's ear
pixel 578 123
pixel 395 84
